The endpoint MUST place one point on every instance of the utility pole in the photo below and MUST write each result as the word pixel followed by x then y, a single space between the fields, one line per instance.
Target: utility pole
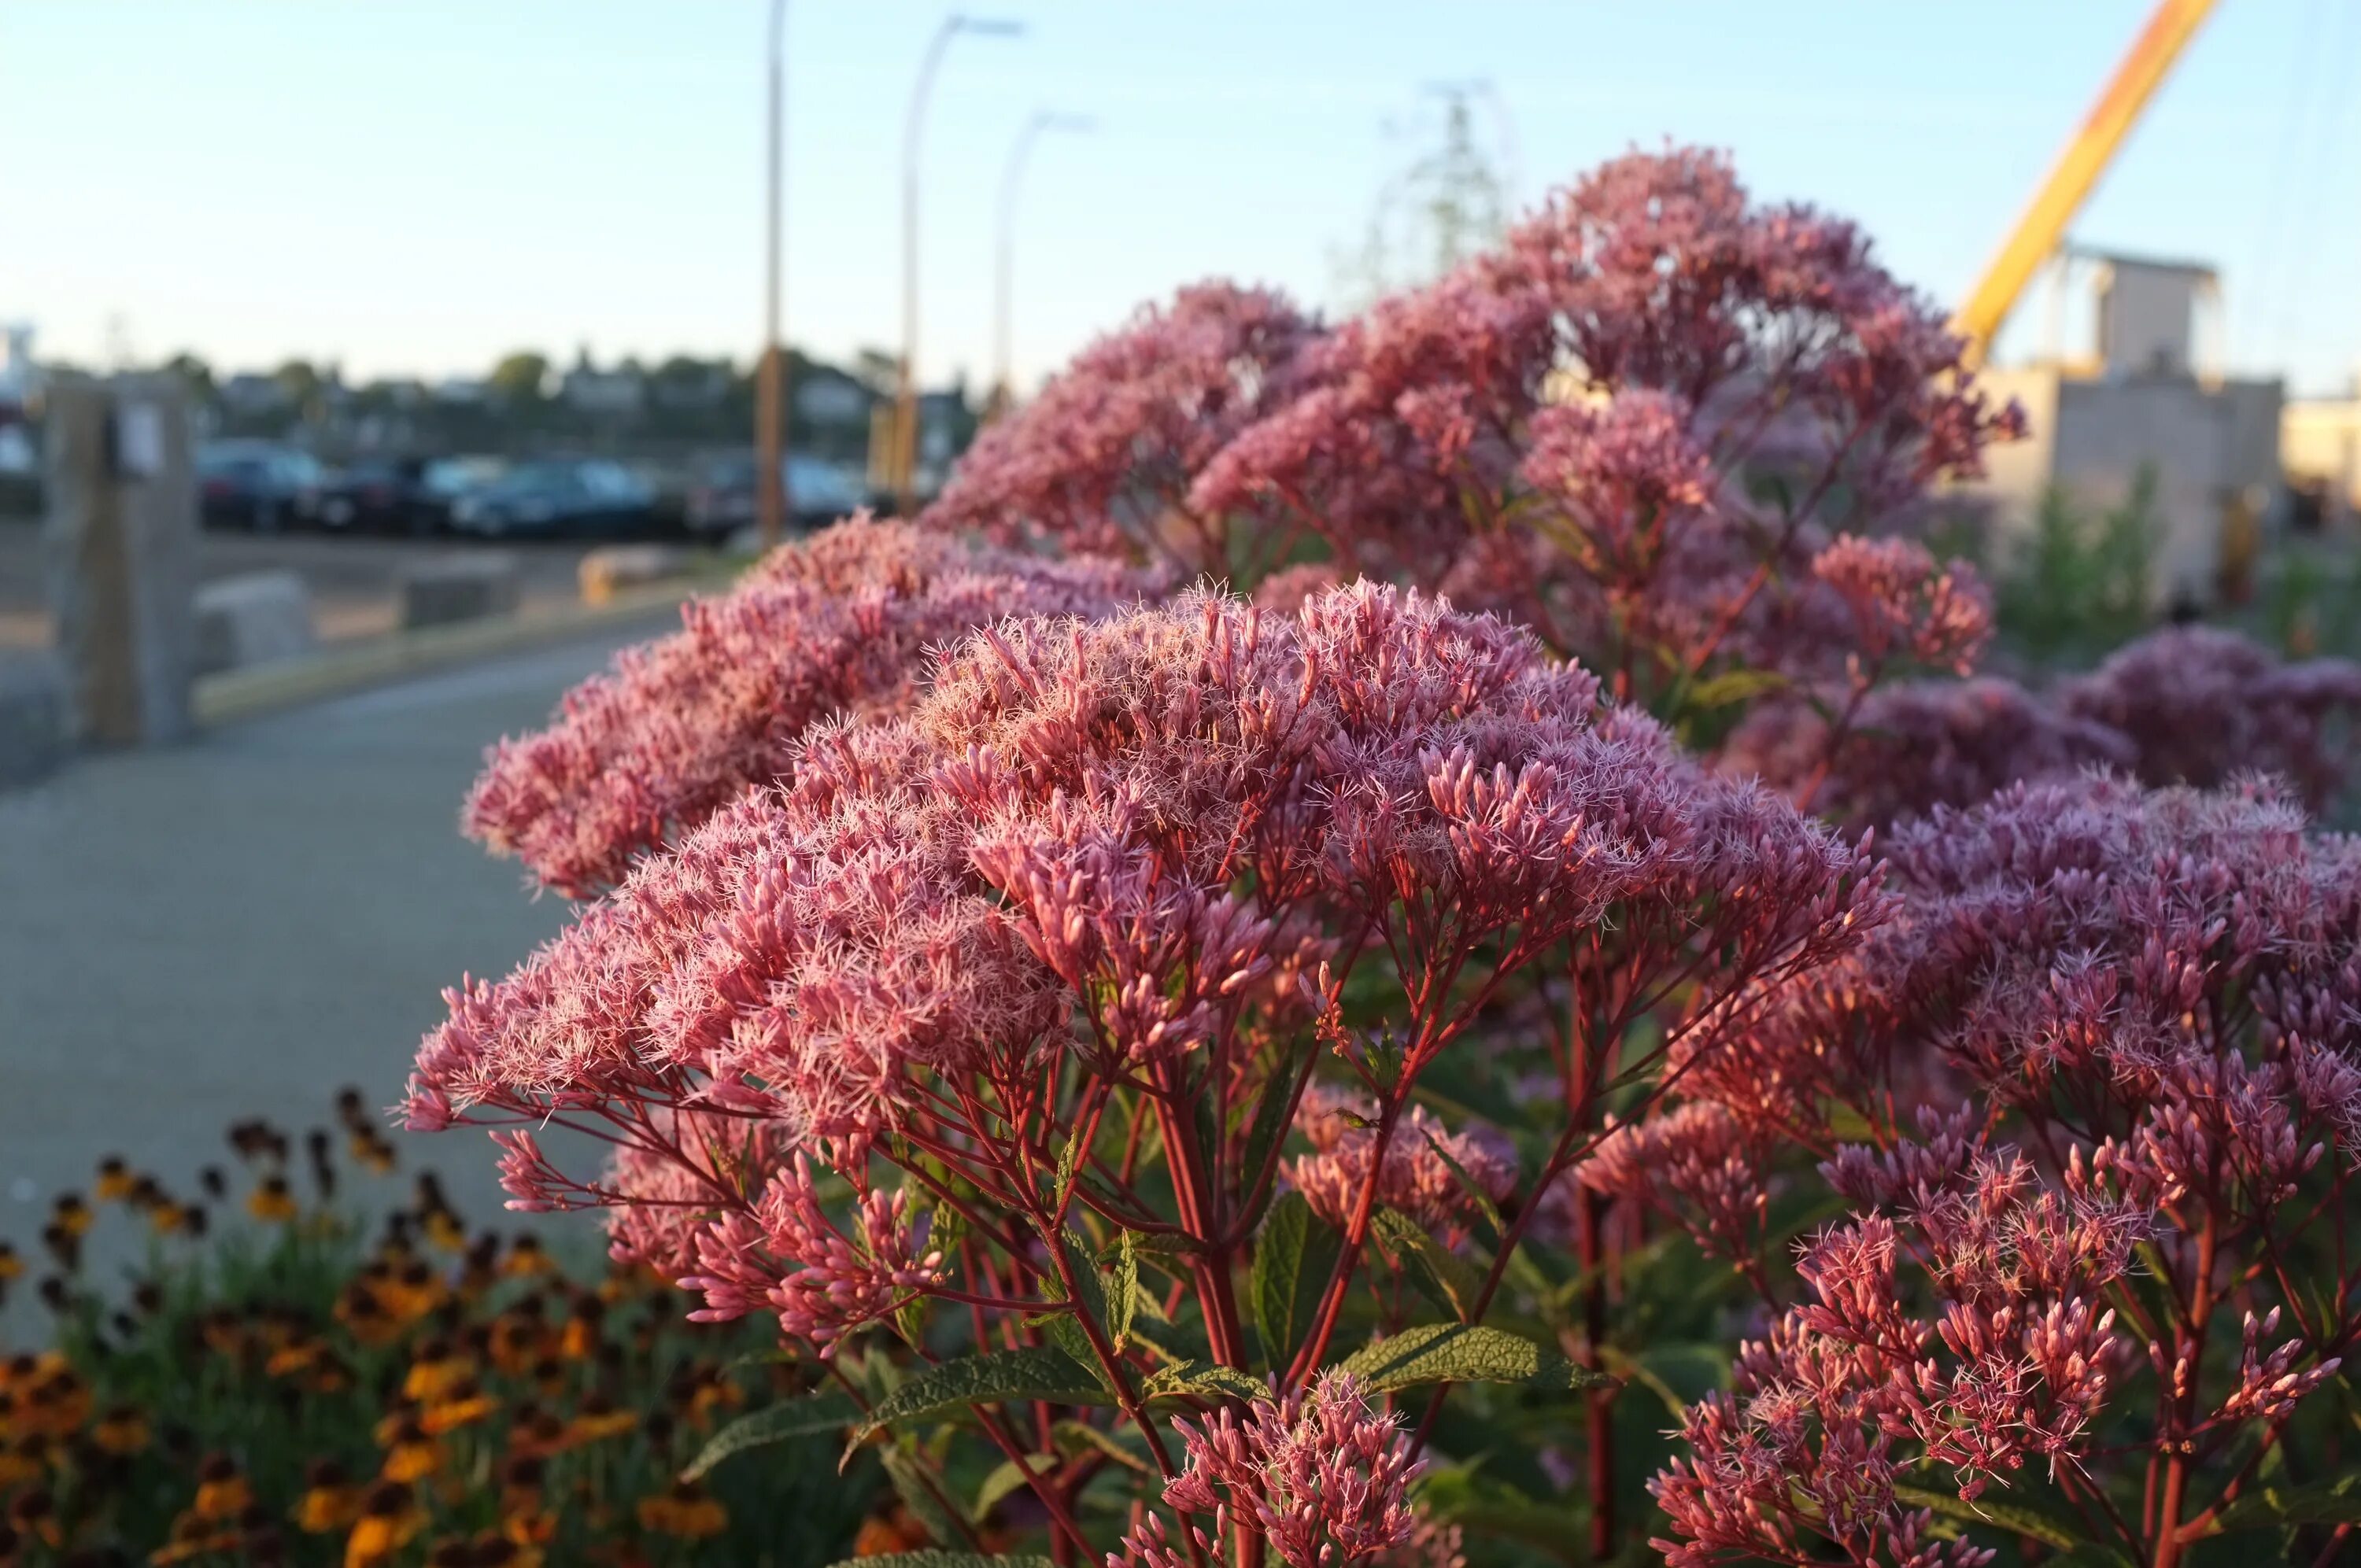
pixel 906 398
pixel 1003 390
pixel 770 483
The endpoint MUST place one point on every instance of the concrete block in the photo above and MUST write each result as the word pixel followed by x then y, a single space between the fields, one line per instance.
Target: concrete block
pixel 120 543
pixel 620 568
pixel 459 587
pixel 253 619
pixel 35 718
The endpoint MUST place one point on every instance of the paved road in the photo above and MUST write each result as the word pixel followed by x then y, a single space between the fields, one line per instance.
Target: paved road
pixel 240 925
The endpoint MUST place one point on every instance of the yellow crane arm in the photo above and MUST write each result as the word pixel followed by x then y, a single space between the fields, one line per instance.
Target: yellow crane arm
pixel 2078 169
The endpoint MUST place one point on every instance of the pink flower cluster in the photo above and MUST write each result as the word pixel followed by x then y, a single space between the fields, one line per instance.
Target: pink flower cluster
pixel 680 726
pixel 1437 1176
pixel 1101 460
pixel 1317 1475
pixel 2013 1365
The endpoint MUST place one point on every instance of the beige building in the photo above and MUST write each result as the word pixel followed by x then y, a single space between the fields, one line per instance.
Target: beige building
pixel 2320 448
pixel 2147 399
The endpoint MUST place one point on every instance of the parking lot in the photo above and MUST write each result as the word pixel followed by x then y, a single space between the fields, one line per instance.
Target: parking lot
pixel 352 580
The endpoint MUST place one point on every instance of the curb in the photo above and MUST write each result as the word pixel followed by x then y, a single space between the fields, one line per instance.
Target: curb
pixel 236 695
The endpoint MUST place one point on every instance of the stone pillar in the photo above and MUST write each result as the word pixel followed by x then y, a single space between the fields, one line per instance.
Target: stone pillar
pixel 120 539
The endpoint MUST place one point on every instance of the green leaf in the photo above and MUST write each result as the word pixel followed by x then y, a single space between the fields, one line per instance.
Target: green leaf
pixel 1122 1291
pixel 781 1422
pixel 1067 1334
pixel 1734 685
pixel 909 1485
pixel 1677 1373
pixel 1205 1378
pixel 1037 1372
pixel 1441 1275
pixel 1482 1200
pixel 1129 1448
pixel 1008 1479
pixel 1270 1121
pixel 2336 1501
pixel 1293 1258
pixel 944 1560
pixel 2018 1516
pixel 1090 1290
pixel 1464 1352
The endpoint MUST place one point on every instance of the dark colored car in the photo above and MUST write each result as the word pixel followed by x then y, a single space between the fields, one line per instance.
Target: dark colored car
pixel 383 493
pixel 723 500
pixel 257 485
pixel 556 495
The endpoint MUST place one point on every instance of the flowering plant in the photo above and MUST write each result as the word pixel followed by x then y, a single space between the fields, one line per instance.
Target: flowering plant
pixel 1212 1076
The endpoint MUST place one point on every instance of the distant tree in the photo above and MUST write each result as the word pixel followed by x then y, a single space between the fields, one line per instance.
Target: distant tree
pixel 300 381
pixel 194 372
pixel 519 377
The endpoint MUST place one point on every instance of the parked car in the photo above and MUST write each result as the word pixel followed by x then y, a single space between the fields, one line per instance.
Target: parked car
pixel 449 479
pixel 386 493
pixel 257 485
pixel 555 496
pixel 722 499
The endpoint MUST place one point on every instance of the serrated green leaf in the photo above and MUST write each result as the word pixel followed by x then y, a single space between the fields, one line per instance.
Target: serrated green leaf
pixel 1482 1200
pixel 1204 1378
pixel 1090 1290
pixel 1067 1335
pixel 1441 1275
pixel 909 1485
pixel 781 1422
pixel 1678 1374
pixel 1070 1161
pixel 944 1560
pixel 1464 1352
pixel 1036 1372
pixel 1173 1343
pixel 1293 1258
pixel 2018 1516
pixel 2336 1501
pixel 1121 1289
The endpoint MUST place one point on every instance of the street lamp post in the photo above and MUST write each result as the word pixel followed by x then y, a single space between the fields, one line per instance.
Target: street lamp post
pixel 771 498
pixel 1004 246
pixel 905 400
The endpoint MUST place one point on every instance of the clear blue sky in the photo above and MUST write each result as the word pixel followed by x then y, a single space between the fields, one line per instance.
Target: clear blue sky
pixel 415 186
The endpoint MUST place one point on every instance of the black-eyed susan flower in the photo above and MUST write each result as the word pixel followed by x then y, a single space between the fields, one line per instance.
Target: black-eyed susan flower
pixel 495 1549
pixel 34 1514
pixel 599 1419
pixel 113 1182
pixel 686 1511
pixel 390 1519
pixel 413 1454
pixel 462 1405
pixel 223 1492
pixel 437 1367
pixel 272 1199
pixel 11 1266
pixel 580 1339
pixel 122 1430
pixel 526 1258
pixel 331 1501
pixel 23 1460
pixel 70 1213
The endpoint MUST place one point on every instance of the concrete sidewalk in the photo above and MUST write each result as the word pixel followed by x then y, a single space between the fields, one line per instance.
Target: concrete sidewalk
pixel 240 925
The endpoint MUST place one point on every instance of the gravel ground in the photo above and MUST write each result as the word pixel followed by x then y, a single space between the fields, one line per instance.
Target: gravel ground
pixel 351 579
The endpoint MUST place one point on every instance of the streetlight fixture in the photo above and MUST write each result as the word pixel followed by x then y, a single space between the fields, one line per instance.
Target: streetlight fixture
pixel 771 499
pixel 1005 249
pixel 905 401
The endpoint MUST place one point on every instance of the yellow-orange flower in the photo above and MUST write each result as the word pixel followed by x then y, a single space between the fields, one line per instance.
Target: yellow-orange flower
pixel 70 1215
pixel 464 1406
pixel 439 1368
pixel 526 1258
pixel 114 1181
pixel 686 1510
pixel 222 1491
pixel 599 1419
pixel 122 1430
pixel 273 1201
pixel 390 1519
pixel 330 1502
pixel 412 1455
